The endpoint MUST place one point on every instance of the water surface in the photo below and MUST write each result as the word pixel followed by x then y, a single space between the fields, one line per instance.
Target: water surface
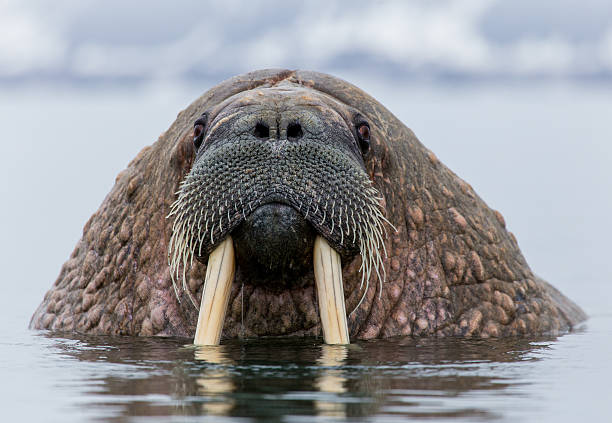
pixel 120 379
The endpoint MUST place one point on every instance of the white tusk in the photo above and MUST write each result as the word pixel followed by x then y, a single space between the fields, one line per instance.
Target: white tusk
pixel 215 295
pixel 328 278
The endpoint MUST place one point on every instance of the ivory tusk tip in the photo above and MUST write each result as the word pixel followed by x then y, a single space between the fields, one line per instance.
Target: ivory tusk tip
pixel 330 293
pixel 215 295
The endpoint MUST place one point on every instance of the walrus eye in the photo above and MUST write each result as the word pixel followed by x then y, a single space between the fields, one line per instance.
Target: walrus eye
pixel 198 131
pixel 197 134
pixel 363 136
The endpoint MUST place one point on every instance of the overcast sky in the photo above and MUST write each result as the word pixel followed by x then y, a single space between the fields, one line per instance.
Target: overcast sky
pixel 117 40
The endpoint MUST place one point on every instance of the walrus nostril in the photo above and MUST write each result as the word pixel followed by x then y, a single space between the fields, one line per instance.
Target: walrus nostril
pixel 261 130
pixel 294 131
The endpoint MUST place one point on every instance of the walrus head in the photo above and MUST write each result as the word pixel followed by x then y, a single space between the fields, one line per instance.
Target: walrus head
pixel 279 178
pixel 281 181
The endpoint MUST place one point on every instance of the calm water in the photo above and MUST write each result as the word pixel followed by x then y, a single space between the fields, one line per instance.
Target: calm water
pixel 541 154
pixel 79 378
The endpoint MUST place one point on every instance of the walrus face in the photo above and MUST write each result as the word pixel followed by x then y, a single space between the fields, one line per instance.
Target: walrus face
pixel 275 197
pixel 279 179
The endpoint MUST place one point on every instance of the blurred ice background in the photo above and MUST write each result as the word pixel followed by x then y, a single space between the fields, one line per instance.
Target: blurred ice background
pixel 137 41
pixel 515 97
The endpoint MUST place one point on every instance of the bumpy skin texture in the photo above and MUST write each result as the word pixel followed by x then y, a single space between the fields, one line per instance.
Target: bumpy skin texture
pixel 452 268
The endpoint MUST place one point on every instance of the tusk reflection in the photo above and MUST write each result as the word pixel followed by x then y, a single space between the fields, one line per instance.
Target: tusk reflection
pixel 216 383
pixel 331 381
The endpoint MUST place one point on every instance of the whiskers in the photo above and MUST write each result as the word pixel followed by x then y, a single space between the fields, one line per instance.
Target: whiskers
pixel 329 189
pixel 372 234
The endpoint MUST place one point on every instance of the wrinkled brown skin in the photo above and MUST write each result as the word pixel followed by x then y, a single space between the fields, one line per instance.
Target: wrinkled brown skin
pixel 453 269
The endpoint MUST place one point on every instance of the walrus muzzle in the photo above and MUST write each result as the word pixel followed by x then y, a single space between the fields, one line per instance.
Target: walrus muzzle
pixel 231 178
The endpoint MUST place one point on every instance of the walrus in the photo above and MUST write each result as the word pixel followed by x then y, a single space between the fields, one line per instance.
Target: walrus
pixel 291 203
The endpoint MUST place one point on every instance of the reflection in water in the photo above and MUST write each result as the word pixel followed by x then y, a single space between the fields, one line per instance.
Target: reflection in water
pixel 331 381
pixel 271 379
pixel 215 381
